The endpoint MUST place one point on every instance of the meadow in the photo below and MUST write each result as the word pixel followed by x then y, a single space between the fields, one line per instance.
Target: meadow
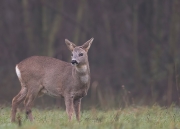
pixel 154 117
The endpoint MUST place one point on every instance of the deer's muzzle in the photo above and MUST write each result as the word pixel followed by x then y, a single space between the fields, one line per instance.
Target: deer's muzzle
pixel 74 62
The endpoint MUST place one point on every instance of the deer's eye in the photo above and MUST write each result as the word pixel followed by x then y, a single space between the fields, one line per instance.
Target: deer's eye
pixel 80 54
pixel 71 54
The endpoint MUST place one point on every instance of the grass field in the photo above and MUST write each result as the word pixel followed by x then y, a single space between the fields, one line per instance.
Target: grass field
pixel 129 118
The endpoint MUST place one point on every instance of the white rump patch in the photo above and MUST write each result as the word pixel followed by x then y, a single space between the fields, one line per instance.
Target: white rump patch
pixel 82 69
pixel 18 72
pixel 84 78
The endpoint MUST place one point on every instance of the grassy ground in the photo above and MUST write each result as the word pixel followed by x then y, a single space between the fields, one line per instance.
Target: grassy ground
pixel 130 118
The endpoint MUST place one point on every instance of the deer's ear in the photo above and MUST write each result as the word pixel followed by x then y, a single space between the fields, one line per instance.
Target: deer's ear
pixel 87 44
pixel 70 45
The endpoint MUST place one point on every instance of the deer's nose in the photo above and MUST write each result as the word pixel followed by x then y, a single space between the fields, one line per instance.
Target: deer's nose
pixel 74 62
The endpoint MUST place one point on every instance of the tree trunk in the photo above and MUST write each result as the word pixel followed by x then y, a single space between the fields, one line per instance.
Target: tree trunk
pixel 137 64
pixel 79 17
pixel 173 39
pixel 28 27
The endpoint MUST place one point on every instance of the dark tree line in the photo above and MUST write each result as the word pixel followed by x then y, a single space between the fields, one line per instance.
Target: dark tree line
pixel 134 59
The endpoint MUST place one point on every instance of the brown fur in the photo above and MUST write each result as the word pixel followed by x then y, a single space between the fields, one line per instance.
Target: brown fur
pixel 40 75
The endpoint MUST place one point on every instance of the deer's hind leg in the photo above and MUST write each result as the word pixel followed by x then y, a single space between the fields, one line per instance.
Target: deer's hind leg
pixel 16 101
pixel 29 100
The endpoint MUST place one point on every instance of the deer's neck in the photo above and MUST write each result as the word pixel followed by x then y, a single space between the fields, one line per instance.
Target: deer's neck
pixel 82 69
pixel 82 73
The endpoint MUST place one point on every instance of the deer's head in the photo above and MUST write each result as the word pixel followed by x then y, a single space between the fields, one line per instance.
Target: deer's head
pixel 79 53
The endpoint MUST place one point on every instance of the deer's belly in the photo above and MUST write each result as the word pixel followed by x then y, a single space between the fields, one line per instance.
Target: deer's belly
pixel 50 93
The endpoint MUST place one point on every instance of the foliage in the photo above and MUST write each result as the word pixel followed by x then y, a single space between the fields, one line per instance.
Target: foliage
pixel 136 44
pixel 154 117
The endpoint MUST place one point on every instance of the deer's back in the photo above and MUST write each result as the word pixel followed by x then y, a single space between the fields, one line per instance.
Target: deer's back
pixel 45 70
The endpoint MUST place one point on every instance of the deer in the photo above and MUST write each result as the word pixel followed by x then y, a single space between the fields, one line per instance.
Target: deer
pixel 39 75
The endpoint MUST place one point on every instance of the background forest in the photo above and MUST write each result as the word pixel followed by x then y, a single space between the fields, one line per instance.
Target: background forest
pixel 134 59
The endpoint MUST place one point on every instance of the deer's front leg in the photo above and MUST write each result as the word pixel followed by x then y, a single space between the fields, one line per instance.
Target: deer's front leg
pixel 69 106
pixel 77 108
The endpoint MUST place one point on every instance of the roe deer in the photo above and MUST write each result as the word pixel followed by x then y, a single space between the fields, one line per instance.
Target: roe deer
pixel 40 75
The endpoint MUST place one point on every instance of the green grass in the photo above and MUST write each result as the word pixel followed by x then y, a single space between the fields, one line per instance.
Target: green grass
pixel 129 118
